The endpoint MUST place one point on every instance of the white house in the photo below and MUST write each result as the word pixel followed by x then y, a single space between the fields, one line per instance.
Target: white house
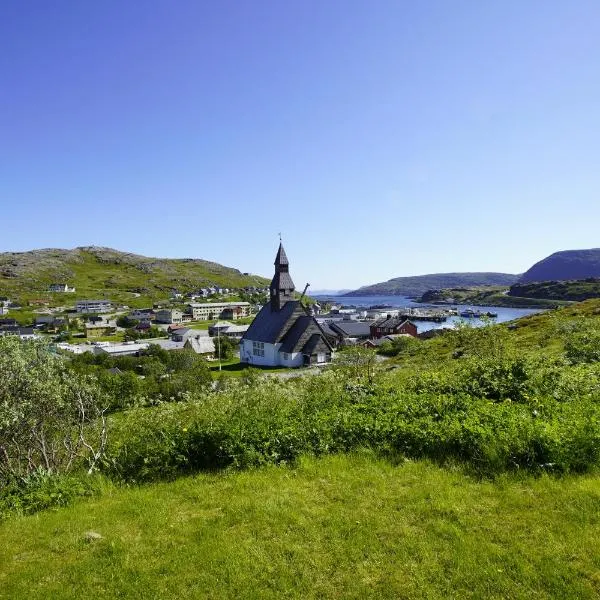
pixel 93 306
pixel 284 333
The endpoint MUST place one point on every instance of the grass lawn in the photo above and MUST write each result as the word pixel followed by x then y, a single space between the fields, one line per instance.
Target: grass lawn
pixel 338 527
pixel 234 368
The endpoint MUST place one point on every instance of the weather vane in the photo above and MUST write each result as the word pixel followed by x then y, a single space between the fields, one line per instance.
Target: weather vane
pixel 279 234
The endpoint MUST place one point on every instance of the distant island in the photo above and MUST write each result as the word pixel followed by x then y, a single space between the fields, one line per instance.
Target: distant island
pixel 416 286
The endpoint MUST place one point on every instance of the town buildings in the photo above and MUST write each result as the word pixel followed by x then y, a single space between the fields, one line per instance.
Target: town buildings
pixel 219 310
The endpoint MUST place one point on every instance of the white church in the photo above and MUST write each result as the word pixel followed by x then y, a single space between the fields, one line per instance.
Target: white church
pixel 284 333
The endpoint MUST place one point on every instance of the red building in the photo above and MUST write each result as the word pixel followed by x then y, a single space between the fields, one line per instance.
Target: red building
pixel 392 326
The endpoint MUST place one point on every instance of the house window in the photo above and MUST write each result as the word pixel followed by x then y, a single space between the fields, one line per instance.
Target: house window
pixel 285 356
pixel 258 348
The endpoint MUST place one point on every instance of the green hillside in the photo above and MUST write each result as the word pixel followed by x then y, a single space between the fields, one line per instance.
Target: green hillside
pixel 98 272
pixel 466 466
pixel 578 290
pixel 487 296
pixel 419 284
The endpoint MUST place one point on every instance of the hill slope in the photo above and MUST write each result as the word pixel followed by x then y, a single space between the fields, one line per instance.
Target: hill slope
pixel 105 272
pixel 567 264
pixel 419 284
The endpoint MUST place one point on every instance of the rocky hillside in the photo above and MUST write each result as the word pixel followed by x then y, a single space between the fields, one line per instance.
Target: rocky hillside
pixel 565 265
pixel 416 286
pixel 105 272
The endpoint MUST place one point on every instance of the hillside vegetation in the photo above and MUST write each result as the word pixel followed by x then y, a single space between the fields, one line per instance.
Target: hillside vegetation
pixel 577 290
pixel 98 272
pixel 464 466
pixel 416 286
pixel 487 296
pixel 564 265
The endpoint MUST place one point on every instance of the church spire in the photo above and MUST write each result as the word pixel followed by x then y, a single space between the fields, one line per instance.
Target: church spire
pixel 282 287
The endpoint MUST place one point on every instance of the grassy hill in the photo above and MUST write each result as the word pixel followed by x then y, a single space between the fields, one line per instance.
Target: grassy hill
pixel 577 290
pixel 98 272
pixel 565 265
pixel 466 466
pixel 419 284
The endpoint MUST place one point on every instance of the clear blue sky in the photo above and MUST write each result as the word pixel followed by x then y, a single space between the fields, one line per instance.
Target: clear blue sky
pixel 382 138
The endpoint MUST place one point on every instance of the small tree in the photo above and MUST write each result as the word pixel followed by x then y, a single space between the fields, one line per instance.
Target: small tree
pixel 224 347
pixel 50 416
pixel 357 364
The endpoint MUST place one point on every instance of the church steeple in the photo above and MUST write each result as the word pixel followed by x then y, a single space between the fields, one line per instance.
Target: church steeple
pixel 282 287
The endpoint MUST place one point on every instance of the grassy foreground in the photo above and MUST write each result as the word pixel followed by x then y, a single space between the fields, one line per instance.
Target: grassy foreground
pixel 344 526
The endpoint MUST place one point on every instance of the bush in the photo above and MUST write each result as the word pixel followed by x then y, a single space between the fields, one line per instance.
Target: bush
pixel 272 422
pixel 43 489
pixel 48 414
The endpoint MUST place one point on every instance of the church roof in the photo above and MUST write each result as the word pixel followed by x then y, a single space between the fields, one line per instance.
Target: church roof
pixel 310 346
pixel 269 324
pixel 282 281
pixel 292 339
pixel 281 258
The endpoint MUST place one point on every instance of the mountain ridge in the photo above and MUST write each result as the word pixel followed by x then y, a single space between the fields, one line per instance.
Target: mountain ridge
pixel 564 265
pixel 417 285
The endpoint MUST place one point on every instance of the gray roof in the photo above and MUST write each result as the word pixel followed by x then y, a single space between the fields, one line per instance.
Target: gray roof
pixel 201 344
pixel 390 321
pixel 282 281
pixel 327 330
pixel 281 258
pixel 312 343
pixel 352 328
pixel 269 324
pixel 293 336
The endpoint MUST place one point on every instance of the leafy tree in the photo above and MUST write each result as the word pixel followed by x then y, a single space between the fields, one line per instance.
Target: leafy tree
pixel 47 412
pixel 126 322
pixel 224 347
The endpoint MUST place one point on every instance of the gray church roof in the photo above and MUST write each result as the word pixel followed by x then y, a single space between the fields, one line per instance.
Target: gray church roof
pixel 294 335
pixel 282 281
pixel 281 258
pixel 269 324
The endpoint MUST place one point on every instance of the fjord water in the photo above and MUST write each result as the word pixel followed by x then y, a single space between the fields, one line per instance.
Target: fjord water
pixel 504 314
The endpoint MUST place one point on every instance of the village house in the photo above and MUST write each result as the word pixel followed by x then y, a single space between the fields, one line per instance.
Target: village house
pixel 284 333
pixel 93 306
pixel 228 329
pixel 62 288
pixel 168 316
pixel 201 344
pixel 142 314
pixel 392 325
pixel 24 333
pixel 350 332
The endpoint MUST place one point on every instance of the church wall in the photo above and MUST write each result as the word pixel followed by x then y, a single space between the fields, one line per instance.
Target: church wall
pixel 270 358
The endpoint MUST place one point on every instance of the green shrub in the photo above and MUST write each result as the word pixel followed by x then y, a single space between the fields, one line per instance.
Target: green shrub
pixel 43 489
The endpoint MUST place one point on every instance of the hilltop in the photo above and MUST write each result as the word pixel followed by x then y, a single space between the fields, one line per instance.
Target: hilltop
pixel 565 265
pixel 97 271
pixel 419 284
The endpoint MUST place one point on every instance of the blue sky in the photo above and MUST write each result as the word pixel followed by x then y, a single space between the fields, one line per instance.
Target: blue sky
pixel 382 138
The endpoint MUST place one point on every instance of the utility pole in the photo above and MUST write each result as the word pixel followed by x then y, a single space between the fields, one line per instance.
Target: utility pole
pixel 219 344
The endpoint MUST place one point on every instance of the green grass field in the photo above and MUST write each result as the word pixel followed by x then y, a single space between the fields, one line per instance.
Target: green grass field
pixel 340 527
